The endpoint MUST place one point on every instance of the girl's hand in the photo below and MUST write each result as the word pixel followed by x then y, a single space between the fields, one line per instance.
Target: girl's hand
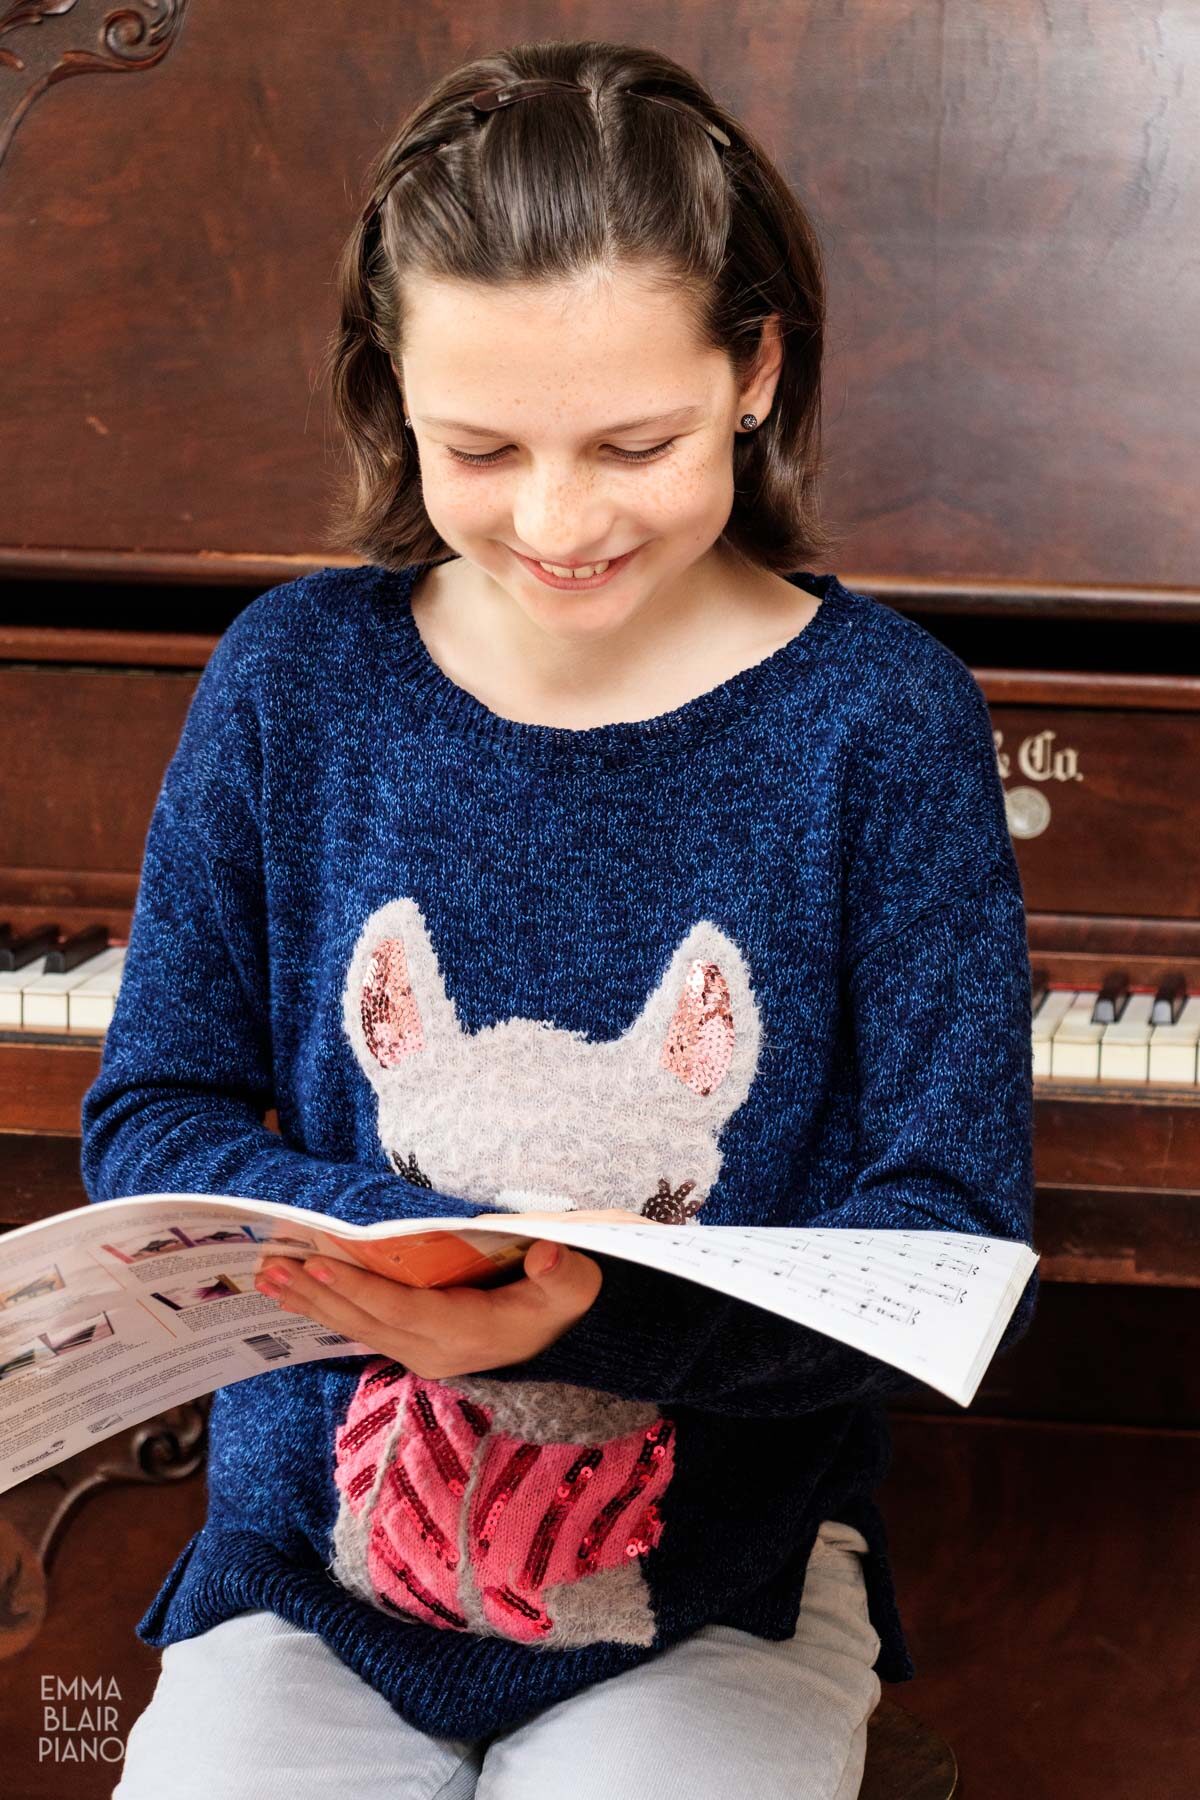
pixel 439 1332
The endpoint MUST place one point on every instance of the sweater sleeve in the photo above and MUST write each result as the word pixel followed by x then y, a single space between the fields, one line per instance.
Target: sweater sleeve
pixel 941 1025
pixel 186 1074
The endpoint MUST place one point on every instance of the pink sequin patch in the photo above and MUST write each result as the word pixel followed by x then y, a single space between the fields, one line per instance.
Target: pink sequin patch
pixel 541 1515
pixel 698 1048
pixel 390 1020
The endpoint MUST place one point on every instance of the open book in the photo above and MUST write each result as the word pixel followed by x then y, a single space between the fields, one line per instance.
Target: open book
pixel 110 1313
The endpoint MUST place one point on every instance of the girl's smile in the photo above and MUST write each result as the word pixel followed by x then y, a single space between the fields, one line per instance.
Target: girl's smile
pixel 581 582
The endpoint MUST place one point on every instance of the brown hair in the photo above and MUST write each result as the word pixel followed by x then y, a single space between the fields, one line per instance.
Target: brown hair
pixel 543 190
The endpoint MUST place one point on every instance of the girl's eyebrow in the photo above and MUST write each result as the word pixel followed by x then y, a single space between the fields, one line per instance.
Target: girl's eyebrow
pixel 680 416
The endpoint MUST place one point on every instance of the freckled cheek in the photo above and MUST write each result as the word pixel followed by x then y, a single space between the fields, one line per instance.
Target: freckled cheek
pixel 469 513
pixel 692 493
pixel 464 500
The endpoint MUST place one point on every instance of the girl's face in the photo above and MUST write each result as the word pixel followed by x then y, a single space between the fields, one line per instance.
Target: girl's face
pixel 525 404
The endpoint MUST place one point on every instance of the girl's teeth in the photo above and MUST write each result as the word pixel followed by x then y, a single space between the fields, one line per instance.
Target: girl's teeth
pixel 574 574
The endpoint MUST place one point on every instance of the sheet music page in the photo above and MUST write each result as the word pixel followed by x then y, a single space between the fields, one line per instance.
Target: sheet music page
pixel 932 1303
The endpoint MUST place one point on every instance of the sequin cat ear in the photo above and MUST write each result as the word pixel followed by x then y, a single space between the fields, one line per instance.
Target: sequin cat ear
pixel 698 1048
pixel 391 1020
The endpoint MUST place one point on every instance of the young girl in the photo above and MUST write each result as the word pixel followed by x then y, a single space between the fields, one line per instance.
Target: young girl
pixel 572 851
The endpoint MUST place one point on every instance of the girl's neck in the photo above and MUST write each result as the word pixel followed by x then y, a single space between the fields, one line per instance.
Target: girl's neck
pixel 733 617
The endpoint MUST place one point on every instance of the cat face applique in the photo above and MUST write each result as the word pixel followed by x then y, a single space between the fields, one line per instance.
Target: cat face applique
pixel 525 1115
pixel 526 1510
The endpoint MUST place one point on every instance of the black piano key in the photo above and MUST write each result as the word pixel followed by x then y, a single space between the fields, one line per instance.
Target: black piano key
pixel 1169 1001
pixel 89 942
pixel 1111 1001
pixel 21 950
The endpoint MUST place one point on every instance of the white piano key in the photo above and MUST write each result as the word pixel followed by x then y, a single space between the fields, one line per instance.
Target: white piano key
pixel 1046 1021
pixel 90 1007
pixel 1125 1046
pixel 1075 1046
pixel 44 999
pixel 103 989
pixel 1173 1048
pixel 12 982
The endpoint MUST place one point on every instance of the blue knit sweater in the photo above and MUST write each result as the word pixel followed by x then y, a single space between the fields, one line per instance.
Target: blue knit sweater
pixel 757 960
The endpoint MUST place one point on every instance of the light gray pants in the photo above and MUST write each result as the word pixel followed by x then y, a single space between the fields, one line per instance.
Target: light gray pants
pixel 256 1709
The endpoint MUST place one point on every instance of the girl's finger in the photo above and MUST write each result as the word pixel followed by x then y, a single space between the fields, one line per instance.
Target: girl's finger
pixel 317 1301
pixel 388 1303
pixel 429 1313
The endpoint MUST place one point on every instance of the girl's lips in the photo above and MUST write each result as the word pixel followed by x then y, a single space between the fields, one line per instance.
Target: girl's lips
pixel 572 582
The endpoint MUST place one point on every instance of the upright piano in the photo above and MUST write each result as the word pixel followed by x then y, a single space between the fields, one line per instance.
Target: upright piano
pixel 1011 364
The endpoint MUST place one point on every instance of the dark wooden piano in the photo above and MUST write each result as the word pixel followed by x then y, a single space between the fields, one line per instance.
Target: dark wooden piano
pixel 1010 375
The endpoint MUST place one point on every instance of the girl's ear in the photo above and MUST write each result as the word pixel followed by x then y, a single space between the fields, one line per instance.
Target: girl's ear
pixel 768 366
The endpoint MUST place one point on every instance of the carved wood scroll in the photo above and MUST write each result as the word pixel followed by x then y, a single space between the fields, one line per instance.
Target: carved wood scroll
pixel 107 40
pixel 34 1516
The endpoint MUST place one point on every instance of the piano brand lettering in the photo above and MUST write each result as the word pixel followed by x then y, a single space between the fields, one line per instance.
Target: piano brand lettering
pixel 1038 760
pixel 1027 808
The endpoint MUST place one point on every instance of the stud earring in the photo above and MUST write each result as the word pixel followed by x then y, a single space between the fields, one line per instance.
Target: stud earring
pixel 408 422
pixel 748 421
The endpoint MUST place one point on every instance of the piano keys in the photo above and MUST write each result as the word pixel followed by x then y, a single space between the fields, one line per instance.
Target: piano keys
pixel 1102 1034
pixel 58 989
pixel 1071 1044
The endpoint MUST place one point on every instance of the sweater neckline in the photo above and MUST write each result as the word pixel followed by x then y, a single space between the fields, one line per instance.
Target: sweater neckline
pixel 716 710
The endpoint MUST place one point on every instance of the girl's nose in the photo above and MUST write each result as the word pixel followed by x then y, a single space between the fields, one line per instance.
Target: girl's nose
pixel 561 509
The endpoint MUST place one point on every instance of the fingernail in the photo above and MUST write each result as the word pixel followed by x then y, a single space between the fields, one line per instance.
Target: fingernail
pixel 279 1277
pixel 319 1272
pixel 547 1259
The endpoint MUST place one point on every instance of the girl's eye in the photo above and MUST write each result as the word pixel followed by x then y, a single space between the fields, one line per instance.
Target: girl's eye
pixel 633 456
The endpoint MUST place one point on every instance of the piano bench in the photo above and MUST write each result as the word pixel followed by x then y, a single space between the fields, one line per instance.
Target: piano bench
pixel 905 1759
